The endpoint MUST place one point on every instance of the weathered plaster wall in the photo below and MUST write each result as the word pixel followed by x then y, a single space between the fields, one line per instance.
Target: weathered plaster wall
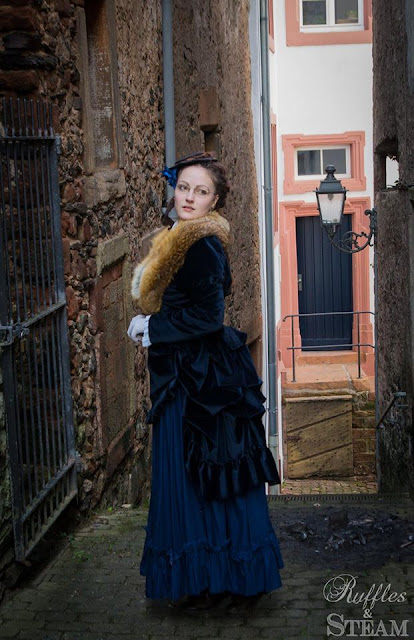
pixel 213 107
pixel 393 127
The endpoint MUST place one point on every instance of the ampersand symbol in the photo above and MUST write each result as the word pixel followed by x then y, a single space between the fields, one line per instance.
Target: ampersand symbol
pixel 368 613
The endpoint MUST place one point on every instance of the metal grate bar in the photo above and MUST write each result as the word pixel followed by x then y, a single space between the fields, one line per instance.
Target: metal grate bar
pixel 39 227
pixel 33 537
pixel 22 290
pixel 35 350
pixel 51 227
pixel 37 440
pixel 57 393
pixel 67 450
pixel 45 431
pixel 24 153
pixel 44 218
pixel 24 119
pixel 55 482
pixel 10 216
pixel 27 462
pixel 33 229
pixel 18 437
pixel 37 450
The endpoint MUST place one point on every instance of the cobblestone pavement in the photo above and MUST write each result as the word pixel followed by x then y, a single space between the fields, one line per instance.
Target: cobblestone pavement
pixel 92 590
pixel 353 484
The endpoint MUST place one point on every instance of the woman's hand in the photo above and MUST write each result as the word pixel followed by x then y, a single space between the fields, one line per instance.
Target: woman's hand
pixel 136 327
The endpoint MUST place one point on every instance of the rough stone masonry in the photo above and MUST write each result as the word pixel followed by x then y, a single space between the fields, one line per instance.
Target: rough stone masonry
pixel 100 65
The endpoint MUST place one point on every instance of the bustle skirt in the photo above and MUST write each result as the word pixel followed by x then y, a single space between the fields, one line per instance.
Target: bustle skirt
pixel 192 543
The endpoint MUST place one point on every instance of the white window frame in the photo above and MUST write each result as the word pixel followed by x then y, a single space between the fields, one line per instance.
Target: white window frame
pixel 311 176
pixel 330 20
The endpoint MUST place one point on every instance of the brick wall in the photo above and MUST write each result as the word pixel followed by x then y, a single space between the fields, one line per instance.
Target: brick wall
pixel 363 436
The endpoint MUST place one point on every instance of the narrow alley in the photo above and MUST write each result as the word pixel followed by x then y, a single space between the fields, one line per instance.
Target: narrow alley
pixel 206 288
pixel 92 589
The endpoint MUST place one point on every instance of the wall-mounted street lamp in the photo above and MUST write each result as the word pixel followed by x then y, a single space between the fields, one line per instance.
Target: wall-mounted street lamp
pixel 331 197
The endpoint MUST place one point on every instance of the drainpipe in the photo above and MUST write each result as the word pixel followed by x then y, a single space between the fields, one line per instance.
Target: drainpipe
pixel 168 79
pixel 268 209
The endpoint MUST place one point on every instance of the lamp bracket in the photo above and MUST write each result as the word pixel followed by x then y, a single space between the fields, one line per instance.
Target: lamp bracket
pixel 349 241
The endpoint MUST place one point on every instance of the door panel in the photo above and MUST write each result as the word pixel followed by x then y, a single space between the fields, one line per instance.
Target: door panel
pixel 319 436
pixel 325 275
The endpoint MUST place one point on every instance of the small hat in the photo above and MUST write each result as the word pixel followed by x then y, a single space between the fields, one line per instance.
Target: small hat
pixel 199 157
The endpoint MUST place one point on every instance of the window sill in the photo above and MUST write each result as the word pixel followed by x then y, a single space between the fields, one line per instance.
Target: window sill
pixel 329 29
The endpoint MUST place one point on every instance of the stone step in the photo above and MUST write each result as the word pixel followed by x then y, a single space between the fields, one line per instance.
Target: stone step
pixel 327 376
pixel 327 357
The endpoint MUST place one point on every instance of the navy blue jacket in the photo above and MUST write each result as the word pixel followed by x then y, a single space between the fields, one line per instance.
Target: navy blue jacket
pixel 224 441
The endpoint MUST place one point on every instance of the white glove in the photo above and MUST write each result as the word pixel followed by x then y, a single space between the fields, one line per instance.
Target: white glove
pixel 136 327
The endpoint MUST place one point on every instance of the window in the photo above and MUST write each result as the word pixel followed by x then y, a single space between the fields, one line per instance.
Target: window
pixel 313 162
pixel 322 22
pixel 306 158
pixel 332 15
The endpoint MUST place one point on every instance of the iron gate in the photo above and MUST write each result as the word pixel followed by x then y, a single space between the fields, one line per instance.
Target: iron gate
pixel 33 326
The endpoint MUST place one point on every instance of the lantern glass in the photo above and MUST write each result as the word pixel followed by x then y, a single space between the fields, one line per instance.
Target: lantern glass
pixel 331 206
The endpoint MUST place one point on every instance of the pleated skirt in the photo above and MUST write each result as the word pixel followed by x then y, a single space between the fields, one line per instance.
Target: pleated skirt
pixel 192 545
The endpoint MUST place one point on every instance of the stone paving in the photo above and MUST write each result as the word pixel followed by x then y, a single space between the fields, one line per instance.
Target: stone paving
pixel 92 590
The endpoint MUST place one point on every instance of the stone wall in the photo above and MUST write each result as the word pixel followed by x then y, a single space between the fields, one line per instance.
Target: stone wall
pixel 108 202
pixel 393 24
pixel 100 64
pixel 213 111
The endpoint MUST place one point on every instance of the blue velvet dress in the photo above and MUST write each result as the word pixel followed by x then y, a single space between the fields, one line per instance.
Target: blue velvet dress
pixel 208 524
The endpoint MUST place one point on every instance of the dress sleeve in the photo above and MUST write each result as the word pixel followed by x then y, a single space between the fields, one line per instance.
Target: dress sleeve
pixel 203 274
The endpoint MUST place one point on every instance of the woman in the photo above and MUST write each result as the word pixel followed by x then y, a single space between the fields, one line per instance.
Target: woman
pixel 209 531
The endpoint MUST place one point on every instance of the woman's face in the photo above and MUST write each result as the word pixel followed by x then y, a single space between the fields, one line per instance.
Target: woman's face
pixel 195 193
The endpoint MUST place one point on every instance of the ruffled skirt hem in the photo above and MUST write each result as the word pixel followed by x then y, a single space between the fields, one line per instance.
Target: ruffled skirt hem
pixel 202 567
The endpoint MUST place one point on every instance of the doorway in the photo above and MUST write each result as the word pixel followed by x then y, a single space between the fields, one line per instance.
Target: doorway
pixel 324 286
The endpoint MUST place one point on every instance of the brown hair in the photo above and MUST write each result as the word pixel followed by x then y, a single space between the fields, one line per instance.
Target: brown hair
pixel 217 172
pixel 218 175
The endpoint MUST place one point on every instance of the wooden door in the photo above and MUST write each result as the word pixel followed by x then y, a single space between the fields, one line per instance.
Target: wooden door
pixel 325 285
pixel 319 436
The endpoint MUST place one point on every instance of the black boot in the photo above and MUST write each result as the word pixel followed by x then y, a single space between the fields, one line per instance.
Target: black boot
pixel 240 603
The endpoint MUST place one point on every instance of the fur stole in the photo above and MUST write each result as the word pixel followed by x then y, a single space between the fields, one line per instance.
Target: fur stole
pixel 167 254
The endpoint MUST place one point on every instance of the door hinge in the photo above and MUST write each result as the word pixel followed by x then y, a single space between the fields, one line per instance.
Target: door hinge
pixel 8 333
pixel 300 282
